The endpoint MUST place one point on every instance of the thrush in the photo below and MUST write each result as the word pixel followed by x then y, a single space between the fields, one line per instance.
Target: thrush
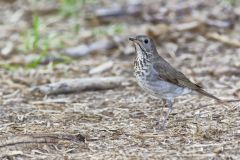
pixel 158 78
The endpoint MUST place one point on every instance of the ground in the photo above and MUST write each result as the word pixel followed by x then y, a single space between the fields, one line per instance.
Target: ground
pixel 201 40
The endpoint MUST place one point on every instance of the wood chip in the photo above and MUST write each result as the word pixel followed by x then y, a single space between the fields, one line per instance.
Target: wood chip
pixel 102 68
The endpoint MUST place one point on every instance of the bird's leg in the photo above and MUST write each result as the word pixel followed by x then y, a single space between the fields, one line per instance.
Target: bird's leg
pixel 159 122
pixel 162 109
pixel 169 104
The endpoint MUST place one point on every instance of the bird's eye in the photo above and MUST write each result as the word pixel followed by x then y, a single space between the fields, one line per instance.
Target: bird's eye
pixel 146 41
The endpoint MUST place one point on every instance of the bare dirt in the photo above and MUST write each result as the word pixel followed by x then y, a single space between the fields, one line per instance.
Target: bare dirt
pixel 203 42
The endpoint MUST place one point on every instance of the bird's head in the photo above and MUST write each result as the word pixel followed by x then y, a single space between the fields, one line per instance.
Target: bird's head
pixel 144 46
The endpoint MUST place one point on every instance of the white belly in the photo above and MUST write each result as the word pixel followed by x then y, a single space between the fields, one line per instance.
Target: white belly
pixel 161 89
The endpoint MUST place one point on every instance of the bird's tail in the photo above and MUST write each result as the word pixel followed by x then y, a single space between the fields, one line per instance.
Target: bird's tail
pixel 220 101
pixel 209 95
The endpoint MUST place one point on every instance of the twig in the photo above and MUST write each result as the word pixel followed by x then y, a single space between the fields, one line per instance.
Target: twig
pixel 77 85
pixel 223 39
pixel 38 138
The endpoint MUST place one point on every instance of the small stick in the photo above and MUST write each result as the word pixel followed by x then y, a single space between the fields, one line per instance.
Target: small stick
pixel 77 85
pixel 38 138
pixel 223 39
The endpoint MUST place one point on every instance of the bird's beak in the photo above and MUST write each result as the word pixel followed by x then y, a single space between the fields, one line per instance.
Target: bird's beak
pixel 133 39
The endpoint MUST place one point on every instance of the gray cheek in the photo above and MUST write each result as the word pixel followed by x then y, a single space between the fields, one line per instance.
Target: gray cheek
pixel 148 48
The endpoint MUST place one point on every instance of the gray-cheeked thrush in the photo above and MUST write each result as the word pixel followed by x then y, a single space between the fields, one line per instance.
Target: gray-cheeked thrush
pixel 158 78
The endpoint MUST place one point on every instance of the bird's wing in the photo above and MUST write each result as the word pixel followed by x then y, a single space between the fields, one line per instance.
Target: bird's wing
pixel 168 73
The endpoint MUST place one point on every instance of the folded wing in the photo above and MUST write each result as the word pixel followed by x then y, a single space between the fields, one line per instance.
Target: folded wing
pixel 168 73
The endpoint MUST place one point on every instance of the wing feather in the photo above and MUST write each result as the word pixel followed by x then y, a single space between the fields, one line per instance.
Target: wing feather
pixel 168 73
